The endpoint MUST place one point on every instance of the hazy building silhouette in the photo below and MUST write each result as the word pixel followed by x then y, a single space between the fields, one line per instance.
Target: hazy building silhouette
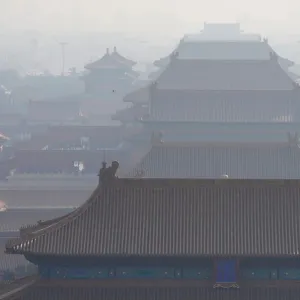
pixel 223 107
pixel 111 72
pixel 107 80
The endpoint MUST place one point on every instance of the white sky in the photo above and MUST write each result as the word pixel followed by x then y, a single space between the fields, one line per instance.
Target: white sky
pixel 148 15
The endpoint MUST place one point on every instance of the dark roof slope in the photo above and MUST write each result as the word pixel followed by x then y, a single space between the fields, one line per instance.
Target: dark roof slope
pixel 155 291
pixel 210 160
pixel 224 75
pixel 179 217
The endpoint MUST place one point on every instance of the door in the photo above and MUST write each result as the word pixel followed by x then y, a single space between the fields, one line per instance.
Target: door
pixel 226 271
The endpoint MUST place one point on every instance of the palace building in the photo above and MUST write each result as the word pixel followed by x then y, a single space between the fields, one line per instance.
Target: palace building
pixel 168 239
pixel 111 72
pixel 230 109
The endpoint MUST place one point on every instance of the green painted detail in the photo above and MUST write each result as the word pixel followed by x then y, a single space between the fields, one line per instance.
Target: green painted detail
pixel 271 273
pixel 197 273
pixel 145 272
pixel 74 273
pixel 124 272
pixel 289 273
pixel 259 273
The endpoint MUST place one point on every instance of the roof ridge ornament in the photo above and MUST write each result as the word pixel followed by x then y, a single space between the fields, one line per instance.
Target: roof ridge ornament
pixel 102 170
pixel 107 175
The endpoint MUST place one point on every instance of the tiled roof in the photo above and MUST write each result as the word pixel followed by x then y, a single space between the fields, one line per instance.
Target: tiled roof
pixel 222 50
pixel 133 113
pixel 212 160
pixel 10 262
pixel 225 106
pixel 140 95
pixel 116 55
pixel 53 292
pixel 108 61
pixel 224 75
pixel 221 132
pixel 177 217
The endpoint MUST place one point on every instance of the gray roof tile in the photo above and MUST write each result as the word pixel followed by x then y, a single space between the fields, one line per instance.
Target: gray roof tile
pixel 10 262
pixel 224 75
pixel 54 292
pixel 180 217
pixel 225 106
pixel 220 50
pixel 212 160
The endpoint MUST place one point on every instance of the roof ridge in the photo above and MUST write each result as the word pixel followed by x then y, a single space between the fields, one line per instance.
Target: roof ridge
pixel 224 60
pixel 12 244
pixel 115 54
pixel 107 57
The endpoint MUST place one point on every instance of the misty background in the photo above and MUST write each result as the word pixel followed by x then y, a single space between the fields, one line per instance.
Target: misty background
pixel 31 30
